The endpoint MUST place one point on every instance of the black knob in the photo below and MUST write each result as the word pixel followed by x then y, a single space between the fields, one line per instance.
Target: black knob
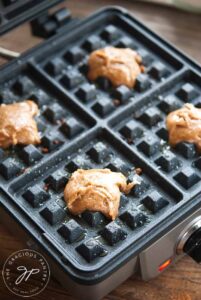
pixel 192 246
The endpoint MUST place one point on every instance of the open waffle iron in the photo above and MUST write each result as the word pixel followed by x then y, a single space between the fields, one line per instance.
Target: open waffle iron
pixel 92 125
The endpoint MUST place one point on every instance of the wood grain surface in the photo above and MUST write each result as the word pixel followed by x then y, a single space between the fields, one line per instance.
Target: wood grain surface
pixel 183 280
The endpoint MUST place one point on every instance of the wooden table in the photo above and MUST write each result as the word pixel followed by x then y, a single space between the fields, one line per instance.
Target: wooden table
pixel 183 280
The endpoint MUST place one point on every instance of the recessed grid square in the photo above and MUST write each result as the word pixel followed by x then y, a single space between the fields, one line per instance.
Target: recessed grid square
pixel 90 236
pixel 144 129
pixel 69 67
pixel 58 123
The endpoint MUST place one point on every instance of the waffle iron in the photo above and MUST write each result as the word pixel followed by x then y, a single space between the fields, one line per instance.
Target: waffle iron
pixel 92 125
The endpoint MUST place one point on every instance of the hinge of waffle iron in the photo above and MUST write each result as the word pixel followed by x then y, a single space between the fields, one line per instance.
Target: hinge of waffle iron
pixel 47 24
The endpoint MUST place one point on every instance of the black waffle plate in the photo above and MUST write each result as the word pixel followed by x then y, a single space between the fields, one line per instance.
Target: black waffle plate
pixel 92 125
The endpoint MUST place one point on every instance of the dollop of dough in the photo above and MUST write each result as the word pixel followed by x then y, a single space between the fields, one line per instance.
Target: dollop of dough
pixel 96 190
pixel 17 125
pixel 184 125
pixel 120 65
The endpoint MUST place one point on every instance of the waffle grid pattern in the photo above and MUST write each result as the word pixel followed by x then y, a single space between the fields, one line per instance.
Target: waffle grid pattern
pixel 92 125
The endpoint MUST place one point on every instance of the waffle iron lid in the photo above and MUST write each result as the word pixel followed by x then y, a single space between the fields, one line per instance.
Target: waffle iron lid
pixel 15 12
